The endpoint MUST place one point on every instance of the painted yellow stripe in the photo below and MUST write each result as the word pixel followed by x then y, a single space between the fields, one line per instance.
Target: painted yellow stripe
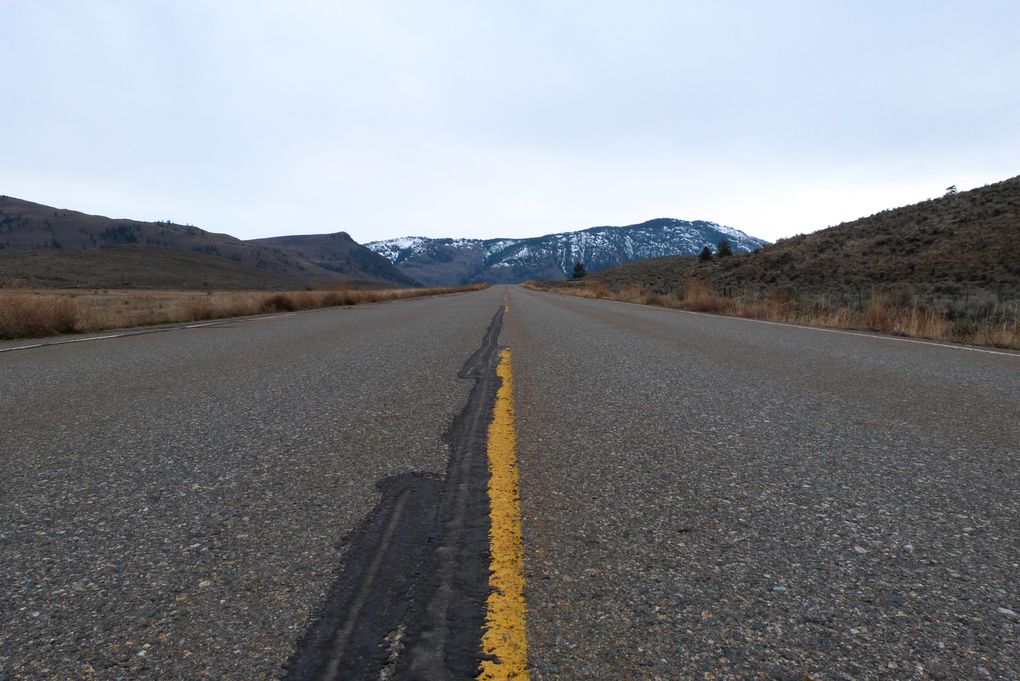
pixel 504 638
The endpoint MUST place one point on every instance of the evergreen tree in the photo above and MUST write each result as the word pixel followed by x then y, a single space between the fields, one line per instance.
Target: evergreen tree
pixel 724 249
pixel 706 254
pixel 579 270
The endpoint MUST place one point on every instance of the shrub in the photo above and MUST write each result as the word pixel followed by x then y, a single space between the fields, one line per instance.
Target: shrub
pixel 279 302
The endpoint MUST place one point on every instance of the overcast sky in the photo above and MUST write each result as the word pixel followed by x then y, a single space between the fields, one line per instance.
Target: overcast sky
pixel 504 118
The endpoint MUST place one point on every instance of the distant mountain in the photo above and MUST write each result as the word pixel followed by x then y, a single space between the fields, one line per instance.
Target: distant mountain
pixel 960 253
pixel 443 262
pixel 74 249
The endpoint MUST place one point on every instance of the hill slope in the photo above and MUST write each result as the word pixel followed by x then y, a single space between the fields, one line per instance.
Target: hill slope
pixel 134 266
pixel 337 253
pixel 50 232
pixel 457 261
pixel 955 252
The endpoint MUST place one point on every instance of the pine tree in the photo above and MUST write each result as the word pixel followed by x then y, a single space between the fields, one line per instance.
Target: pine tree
pixel 579 270
pixel 706 254
pixel 724 249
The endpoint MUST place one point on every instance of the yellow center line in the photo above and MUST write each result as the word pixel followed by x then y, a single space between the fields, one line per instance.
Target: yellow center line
pixel 504 639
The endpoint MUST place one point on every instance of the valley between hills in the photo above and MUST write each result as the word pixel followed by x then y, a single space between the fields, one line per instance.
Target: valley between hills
pixel 944 269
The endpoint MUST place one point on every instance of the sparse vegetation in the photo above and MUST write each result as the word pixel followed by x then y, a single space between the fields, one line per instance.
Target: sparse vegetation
pixel 28 313
pixel 959 254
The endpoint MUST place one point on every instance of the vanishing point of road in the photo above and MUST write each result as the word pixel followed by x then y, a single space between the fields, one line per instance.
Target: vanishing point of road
pixel 308 496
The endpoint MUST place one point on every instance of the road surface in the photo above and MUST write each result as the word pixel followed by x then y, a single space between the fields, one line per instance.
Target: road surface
pixel 702 497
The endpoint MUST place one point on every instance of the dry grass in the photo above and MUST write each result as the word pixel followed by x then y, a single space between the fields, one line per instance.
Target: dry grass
pixel 24 316
pixel 998 326
pixel 28 313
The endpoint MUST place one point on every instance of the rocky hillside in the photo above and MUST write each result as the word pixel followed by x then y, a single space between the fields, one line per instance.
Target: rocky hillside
pixel 444 262
pixel 66 239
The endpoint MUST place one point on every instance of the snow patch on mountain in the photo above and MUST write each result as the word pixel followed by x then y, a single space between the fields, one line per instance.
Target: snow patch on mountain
pixel 451 261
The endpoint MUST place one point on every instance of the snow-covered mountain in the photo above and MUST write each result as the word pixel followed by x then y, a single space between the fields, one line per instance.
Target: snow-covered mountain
pixel 445 262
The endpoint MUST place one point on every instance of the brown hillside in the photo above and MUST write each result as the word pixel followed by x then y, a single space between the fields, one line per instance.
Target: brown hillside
pixel 956 252
pixel 134 266
pixel 27 226
pixel 337 253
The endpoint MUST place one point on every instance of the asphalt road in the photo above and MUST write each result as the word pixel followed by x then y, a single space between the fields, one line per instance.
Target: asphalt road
pixel 175 505
pixel 714 498
pixel 702 497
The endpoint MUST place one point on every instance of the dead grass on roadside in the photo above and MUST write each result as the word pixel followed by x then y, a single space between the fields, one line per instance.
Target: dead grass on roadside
pixel 998 326
pixel 24 316
pixel 30 313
